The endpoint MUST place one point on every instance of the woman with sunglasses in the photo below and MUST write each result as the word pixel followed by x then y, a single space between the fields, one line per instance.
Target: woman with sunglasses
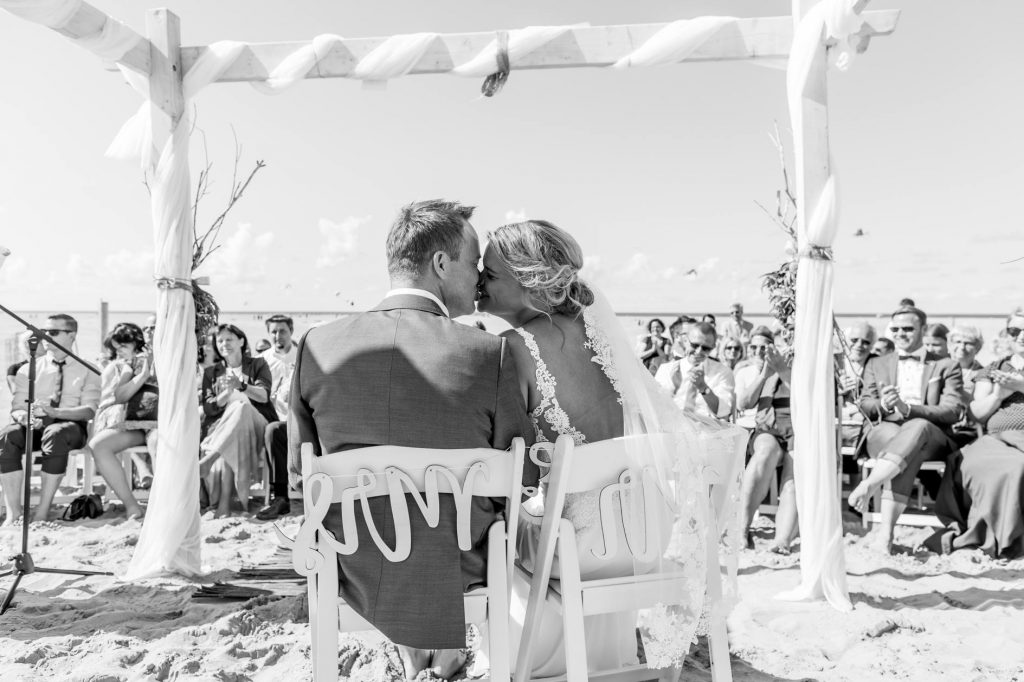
pixel 982 495
pixel 732 353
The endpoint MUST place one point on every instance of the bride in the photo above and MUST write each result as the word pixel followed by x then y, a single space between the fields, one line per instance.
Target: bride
pixel 581 378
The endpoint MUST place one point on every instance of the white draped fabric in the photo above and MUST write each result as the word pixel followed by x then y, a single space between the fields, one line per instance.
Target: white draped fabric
pixel 170 535
pixel 52 13
pixel 521 42
pixel 822 564
pixel 675 42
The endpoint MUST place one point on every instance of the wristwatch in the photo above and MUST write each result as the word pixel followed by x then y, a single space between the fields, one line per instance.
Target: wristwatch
pixel 243 386
pixel 705 390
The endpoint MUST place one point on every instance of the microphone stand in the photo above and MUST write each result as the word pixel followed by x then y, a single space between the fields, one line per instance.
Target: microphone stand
pixel 23 564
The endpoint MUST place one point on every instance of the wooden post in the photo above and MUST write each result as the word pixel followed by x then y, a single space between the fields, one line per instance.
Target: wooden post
pixel 104 320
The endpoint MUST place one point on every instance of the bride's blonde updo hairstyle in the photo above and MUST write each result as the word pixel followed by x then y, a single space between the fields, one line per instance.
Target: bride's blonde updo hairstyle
pixel 546 261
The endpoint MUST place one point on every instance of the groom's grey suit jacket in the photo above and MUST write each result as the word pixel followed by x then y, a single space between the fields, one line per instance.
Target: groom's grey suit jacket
pixel 405 374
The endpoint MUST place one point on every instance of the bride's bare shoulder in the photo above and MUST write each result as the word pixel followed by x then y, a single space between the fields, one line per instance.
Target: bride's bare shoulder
pixel 559 326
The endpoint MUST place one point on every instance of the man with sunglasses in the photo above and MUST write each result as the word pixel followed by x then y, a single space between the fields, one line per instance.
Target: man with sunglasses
pixel 697 382
pixel 912 398
pixel 67 394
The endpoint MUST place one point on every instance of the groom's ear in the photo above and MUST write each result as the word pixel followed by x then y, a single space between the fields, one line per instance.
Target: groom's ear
pixel 440 262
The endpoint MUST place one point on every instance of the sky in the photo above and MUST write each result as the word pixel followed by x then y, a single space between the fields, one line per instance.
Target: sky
pixel 657 172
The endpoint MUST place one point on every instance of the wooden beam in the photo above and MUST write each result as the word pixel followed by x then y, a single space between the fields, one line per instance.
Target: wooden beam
pixel 88 21
pixel 592 46
pixel 165 81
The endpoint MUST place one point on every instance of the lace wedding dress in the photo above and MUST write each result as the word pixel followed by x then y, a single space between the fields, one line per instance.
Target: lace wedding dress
pixel 667 631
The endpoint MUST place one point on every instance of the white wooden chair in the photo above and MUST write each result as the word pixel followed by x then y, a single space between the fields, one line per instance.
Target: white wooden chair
pixel 350 476
pixel 606 468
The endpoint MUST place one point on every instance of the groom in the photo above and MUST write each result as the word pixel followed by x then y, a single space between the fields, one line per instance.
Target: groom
pixel 405 374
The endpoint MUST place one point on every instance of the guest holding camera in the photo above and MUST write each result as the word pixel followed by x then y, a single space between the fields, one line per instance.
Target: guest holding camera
pixel 129 372
pixel 237 407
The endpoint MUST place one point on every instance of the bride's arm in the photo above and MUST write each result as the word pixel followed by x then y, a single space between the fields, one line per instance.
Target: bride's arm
pixel 526 371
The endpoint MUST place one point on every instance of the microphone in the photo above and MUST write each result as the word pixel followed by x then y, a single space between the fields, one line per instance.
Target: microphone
pixel 4 253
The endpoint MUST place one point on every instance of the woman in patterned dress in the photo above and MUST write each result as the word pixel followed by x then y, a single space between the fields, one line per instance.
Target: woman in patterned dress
pixel 982 494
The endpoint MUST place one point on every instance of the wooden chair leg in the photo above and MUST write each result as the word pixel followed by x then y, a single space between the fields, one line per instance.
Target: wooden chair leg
pixel 718 634
pixel 498 604
pixel 572 606
pixel 325 661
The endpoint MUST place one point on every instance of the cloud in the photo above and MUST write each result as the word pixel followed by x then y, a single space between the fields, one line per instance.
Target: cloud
pixel 242 259
pixel 593 268
pixel 340 240
pixel 639 269
pixel 123 267
pixel 515 215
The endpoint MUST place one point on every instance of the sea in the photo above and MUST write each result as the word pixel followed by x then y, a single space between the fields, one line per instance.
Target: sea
pixel 93 324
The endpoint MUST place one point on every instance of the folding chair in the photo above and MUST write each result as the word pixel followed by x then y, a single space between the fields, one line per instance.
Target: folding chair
pixel 607 468
pixel 478 472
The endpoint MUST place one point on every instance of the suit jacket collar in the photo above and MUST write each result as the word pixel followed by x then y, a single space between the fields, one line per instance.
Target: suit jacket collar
pixel 408 302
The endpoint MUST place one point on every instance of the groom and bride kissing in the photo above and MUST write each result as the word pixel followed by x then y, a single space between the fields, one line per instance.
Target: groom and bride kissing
pixel 404 373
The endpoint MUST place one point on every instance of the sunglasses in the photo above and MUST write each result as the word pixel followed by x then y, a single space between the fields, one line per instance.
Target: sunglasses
pixel 1014 332
pixel 707 349
pixel 862 342
pixel 150 328
pixel 54 332
pixel 737 348
pixel 905 330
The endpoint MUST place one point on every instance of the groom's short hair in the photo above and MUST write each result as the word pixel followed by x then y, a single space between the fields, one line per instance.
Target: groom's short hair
pixel 422 229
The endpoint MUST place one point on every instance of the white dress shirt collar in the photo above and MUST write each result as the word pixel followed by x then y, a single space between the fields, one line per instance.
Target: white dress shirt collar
pixel 920 354
pixel 422 293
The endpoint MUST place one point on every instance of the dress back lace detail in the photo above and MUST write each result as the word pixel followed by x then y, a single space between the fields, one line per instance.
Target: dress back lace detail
pixel 548 407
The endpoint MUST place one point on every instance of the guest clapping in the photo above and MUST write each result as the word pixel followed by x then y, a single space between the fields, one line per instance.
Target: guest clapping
pixel 653 345
pixel 771 445
pixel 129 372
pixel 236 402
pixel 964 344
pixel 697 382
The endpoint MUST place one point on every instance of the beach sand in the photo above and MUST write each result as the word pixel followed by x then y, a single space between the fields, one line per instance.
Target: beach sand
pixel 916 616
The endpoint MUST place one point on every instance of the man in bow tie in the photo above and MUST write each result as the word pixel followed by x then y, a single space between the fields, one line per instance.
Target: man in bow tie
pixel 913 399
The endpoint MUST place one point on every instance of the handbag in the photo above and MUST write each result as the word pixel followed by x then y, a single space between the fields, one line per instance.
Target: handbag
pixel 143 405
pixel 84 506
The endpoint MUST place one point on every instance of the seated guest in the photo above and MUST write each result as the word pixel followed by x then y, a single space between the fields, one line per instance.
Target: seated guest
pixel 935 340
pixel 709 318
pixel 982 495
pixel 696 382
pixel 906 303
pixel 883 346
pixel 860 337
pixel 915 397
pixel 281 358
pixel 653 345
pixel 237 407
pixel 262 346
pixel 732 353
pixel 964 345
pixel 67 393
pixel 766 387
pixel 130 371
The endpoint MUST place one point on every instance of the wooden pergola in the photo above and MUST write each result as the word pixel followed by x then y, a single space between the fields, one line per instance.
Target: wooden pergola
pixel 168 74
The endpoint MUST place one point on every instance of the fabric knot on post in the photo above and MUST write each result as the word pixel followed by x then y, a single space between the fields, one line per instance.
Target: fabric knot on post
pixel 817 252
pixel 496 81
pixel 173 283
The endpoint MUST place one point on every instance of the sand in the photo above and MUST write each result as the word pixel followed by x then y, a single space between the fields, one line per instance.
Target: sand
pixel 916 616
